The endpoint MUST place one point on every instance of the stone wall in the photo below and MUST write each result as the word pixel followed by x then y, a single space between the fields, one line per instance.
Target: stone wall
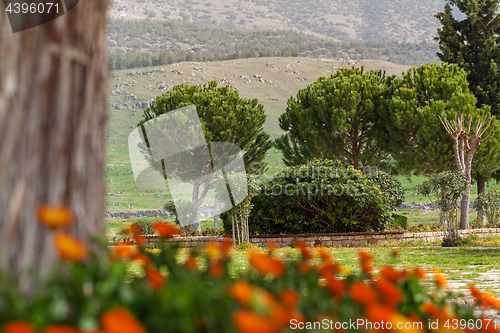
pixel 351 239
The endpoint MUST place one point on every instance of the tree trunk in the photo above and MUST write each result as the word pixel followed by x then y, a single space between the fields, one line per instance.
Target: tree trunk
pixel 481 187
pixel 464 209
pixel 53 91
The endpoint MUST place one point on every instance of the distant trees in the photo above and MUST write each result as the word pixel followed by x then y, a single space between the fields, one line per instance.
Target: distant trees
pixel 215 43
pixel 333 118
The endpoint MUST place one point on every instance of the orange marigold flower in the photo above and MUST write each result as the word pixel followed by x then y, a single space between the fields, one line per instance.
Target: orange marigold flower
pixel 155 279
pixel 18 326
pixel 247 321
pixel 60 329
pixel 364 256
pixel 490 300
pixel 136 231
pixel 419 273
pixel 166 230
pixel 323 254
pixel 395 253
pixel 290 298
pixel 336 287
pixel 440 278
pixel 142 259
pixel 265 264
pixel 432 310
pixel 281 317
pixel 70 248
pixel 216 269
pixel 476 293
pixel 389 292
pixel 390 273
pixel 329 269
pixel 242 292
pixel 303 267
pixel 192 262
pixel 366 267
pixel 120 320
pixel 54 216
pixel 272 246
pixel 226 244
pixel 362 293
pixel 213 251
pixel 306 254
pixel 123 251
pixel 379 312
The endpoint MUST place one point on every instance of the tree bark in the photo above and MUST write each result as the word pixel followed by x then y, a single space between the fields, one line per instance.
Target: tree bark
pixel 464 209
pixel 53 92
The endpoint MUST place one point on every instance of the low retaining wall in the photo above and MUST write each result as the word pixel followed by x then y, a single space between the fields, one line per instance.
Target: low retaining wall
pixel 351 239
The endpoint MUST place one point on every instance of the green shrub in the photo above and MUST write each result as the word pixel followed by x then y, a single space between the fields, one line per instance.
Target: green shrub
pixel 400 220
pixel 489 203
pixel 390 185
pixel 320 197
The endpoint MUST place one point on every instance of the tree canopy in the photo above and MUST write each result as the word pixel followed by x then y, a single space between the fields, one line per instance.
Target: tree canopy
pixel 333 119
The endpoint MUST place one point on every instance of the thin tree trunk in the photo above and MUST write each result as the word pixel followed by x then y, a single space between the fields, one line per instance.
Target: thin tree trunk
pixel 464 209
pixel 53 91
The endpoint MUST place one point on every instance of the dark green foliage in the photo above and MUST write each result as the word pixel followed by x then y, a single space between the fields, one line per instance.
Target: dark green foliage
pixel 473 44
pixel 408 125
pixel 224 116
pixel 390 185
pixel 489 203
pixel 333 118
pixel 321 197
pixel 400 220
pixel 223 43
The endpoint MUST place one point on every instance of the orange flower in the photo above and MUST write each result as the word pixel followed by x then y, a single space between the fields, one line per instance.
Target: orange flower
pixel 281 317
pixel 306 254
pixel 389 292
pixel 419 273
pixel 336 287
pixel 323 254
pixel 290 298
pixel 120 320
pixel 242 292
pixel 70 248
pixel 329 269
pixel 166 230
pixel 440 278
pixel 191 262
pixel 213 251
pixel 54 216
pixel 378 312
pixel 362 293
pixel 136 231
pixel 395 253
pixel 155 279
pixel 60 329
pixel 265 264
pixel 390 273
pixel 143 259
pixel 364 256
pixel 490 300
pixel 18 326
pixel 216 269
pixel 432 310
pixel 226 244
pixel 303 267
pixel 247 321
pixel 366 267
pixel 123 251
pixel 271 246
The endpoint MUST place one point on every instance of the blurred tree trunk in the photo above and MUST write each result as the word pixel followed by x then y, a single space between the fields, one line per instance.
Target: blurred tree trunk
pixel 53 91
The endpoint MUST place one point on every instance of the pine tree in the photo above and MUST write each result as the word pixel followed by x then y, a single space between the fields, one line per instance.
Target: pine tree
pixel 473 44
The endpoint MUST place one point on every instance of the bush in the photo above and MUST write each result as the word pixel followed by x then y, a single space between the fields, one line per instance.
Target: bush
pixel 320 197
pixel 96 293
pixel 390 185
pixel 400 220
pixel 489 203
